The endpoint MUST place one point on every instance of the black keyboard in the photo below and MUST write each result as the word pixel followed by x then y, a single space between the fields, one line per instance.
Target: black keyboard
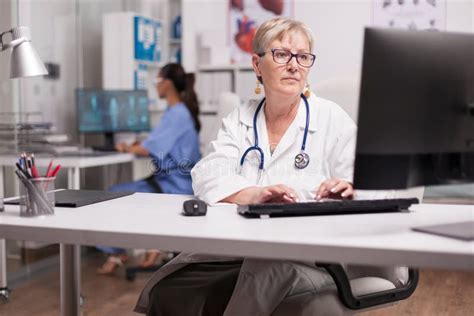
pixel 107 148
pixel 333 207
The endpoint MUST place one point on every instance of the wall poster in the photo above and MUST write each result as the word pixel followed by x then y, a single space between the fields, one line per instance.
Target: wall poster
pixel 410 14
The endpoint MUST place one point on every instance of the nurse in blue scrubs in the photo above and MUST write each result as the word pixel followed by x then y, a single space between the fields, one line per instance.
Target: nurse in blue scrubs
pixel 173 146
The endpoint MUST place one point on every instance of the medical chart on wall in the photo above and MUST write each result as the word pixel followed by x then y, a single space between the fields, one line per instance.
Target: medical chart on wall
pixel 410 14
pixel 245 17
pixel 147 39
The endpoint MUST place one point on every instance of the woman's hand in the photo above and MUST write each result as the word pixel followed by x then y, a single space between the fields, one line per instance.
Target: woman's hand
pixel 135 148
pixel 335 189
pixel 278 193
pixel 122 147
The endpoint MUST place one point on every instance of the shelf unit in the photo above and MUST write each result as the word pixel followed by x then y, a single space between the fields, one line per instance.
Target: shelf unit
pixel 214 79
pixel 233 69
pixel 174 36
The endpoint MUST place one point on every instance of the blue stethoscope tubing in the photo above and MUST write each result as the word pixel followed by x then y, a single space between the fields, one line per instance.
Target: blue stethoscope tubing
pixel 301 159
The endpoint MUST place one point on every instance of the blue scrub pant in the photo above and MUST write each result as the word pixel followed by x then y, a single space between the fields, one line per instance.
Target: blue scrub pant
pixel 135 186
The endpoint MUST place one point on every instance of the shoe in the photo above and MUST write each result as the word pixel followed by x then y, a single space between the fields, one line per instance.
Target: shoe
pixel 151 257
pixel 112 264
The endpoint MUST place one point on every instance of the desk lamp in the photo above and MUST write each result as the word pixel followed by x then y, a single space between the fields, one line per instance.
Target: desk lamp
pixel 24 60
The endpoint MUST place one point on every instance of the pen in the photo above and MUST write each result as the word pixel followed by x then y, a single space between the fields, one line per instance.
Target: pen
pixel 23 171
pixel 49 169
pixel 55 171
pixel 34 171
pixel 28 164
pixel 25 164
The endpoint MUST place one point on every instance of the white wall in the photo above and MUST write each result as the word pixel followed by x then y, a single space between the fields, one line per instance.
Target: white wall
pixel 90 36
pixel 460 16
pixel 8 18
pixel 199 16
pixel 8 88
pixel 53 26
pixel 338 28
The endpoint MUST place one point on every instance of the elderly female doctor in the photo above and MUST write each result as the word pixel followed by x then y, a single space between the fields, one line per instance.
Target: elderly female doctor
pixel 286 147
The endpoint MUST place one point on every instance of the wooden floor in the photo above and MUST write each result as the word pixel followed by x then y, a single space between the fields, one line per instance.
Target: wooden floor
pixel 438 293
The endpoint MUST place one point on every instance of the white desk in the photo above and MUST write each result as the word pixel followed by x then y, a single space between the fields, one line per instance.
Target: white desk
pixel 73 165
pixel 154 221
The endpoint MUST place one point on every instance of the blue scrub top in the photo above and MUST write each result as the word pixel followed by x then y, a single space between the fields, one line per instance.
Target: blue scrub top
pixel 174 147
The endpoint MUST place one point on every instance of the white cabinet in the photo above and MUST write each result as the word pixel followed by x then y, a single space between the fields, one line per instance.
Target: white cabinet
pixel 131 47
pixel 135 46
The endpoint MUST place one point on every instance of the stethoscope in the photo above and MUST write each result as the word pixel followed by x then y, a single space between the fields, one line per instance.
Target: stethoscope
pixel 301 159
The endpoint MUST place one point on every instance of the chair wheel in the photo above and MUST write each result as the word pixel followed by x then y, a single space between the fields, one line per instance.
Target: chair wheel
pixel 4 295
pixel 130 276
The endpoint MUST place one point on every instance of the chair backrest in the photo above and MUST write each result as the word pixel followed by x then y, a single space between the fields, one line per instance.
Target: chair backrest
pixel 227 102
pixel 344 91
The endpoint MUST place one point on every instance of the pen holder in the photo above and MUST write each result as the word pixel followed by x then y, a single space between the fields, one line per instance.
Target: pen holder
pixel 37 197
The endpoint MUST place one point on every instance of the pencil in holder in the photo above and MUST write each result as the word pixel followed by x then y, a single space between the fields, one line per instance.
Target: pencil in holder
pixel 37 197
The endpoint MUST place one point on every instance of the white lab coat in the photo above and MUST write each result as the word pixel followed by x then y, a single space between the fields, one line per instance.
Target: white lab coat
pixel 263 284
pixel 330 145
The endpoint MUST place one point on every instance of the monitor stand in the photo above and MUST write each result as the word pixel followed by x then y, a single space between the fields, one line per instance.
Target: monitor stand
pixel 109 143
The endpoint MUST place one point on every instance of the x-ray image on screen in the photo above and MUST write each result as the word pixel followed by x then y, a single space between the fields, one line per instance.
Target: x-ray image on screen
pixel 108 111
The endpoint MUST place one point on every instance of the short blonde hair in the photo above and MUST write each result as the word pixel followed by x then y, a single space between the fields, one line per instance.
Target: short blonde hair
pixel 276 29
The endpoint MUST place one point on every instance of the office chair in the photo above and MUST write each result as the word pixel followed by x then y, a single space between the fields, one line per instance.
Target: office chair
pixel 355 289
pixel 344 90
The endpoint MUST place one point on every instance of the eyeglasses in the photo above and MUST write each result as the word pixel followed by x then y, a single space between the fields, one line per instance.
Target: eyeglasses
pixel 284 56
pixel 158 80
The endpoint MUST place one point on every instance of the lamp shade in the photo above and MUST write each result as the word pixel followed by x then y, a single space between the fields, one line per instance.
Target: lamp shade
pixel 25 62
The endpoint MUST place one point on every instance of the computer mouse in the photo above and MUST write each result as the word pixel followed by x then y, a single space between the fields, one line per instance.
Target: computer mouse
pixel 194 207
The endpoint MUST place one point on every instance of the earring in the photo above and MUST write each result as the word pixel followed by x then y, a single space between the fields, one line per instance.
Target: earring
pixel 307 92
pixel 258 90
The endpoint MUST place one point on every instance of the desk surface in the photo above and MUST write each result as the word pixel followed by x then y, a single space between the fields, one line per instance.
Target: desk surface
pixel 72 161
pixel 154 221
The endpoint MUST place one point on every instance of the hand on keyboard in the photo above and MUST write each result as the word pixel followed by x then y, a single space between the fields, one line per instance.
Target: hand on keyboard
pixel 278 193
pixel 334 189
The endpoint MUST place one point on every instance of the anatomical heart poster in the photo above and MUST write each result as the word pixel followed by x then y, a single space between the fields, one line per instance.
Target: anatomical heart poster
pixel 245 17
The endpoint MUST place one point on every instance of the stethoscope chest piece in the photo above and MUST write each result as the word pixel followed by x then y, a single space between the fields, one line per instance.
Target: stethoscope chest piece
pixel 301 160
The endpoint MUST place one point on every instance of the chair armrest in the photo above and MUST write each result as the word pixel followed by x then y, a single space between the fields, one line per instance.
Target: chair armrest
pixel 344 290
pixel 397 275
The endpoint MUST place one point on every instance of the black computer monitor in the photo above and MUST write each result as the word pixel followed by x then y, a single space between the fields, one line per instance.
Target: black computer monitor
pixel 112 111
pixel 416 110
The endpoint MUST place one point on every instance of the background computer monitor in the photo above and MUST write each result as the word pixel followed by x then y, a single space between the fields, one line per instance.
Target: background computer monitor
pixel 416 110
pixel 112 111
